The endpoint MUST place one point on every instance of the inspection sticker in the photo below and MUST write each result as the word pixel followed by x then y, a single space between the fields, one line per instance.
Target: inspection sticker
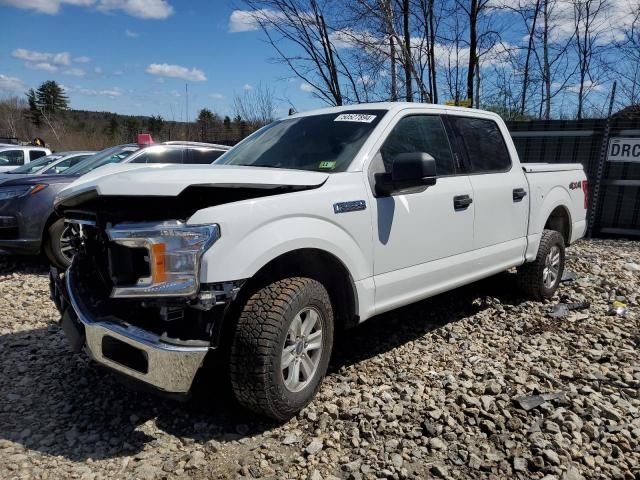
pixel 331 164
pixel 355 117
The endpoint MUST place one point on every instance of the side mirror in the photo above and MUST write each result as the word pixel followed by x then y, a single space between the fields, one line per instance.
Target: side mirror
pixel 409 171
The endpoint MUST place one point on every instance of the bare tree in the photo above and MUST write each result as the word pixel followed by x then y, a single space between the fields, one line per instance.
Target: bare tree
pixel 12 115
pixel 473 9
pixel 588 16
pixel 302 24
pixel 627 70
pixel 255 106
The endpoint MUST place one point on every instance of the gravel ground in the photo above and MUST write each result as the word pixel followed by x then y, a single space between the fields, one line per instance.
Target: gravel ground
pixel 473 383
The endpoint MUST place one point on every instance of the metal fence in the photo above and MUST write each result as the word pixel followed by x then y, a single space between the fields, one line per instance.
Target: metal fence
pixel 614 187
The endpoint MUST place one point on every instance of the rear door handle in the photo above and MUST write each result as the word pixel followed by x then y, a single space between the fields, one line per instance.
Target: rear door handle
pixel 519 194
pixel 462 202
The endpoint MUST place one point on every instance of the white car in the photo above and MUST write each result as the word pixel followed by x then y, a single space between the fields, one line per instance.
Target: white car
pixel 49 164
pixel 14 156
pixel 314 223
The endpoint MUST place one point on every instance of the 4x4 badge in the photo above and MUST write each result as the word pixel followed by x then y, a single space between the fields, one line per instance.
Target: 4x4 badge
pixel 344 207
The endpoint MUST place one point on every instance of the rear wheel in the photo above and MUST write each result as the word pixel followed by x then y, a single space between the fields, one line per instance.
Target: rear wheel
pixel 281 347
pixel 58 245
pixel 540 279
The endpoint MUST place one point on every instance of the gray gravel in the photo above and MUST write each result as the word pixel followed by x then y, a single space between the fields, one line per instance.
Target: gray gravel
pixel 473 383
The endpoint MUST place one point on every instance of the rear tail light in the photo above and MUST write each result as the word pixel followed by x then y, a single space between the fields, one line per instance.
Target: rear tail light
pixel 585 189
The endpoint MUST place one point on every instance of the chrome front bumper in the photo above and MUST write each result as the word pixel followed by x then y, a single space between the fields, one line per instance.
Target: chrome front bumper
pixel 135 352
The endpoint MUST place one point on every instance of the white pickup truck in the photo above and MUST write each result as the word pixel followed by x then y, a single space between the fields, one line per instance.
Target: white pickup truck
pixel 314 223
pixel 14 156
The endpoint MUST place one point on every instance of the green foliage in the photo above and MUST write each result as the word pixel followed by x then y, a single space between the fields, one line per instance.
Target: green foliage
pixel 113 127
pixel 155 124
pixel 131 127
pixel 51 97
pixel 48 99
pixel 206 120
pixel 34 114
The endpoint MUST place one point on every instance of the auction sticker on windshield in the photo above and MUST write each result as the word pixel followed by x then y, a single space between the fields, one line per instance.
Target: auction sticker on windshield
pixel 355 117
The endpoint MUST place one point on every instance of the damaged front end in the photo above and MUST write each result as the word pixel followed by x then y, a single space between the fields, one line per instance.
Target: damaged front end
pixel 133 300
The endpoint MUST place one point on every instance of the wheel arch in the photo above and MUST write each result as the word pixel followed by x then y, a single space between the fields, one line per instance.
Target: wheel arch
pixel 559 219
pixel 319 265
pixel 53 217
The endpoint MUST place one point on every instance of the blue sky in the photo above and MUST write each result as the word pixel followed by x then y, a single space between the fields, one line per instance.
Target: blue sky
pixel 135 56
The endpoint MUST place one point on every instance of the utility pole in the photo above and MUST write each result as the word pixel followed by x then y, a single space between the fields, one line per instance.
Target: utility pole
pixel 186 99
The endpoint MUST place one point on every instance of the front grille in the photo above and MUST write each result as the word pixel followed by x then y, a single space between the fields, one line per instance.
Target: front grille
pixel 8 233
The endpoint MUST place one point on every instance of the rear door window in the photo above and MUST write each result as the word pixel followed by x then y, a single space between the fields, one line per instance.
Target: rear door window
pixel 11 158
pixel 33 154
pixel 482 144
pixel 203 156
pixel 162 155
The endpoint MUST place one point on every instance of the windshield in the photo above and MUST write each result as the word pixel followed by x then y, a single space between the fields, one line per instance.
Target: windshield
pixel 40 163
pixel 110 155
pixel 327 142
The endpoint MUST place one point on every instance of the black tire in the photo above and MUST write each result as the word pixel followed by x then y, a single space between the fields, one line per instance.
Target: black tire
pixel 53 245
pixel 532 278
pixel 263 327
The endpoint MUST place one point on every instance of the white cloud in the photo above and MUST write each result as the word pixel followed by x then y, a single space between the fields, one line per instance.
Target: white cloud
pixel 248 20
pixel 148 9
pixel 118 72
pixel 98 70
pixel 589 86
pixel 131 33
pixel 50 7
pixel 82 59
pixel 108 92
pixel 305 87
pixel 61 58
pixel 75 72
pixel 11 84
pixel 216 96
pixel 247 87
pixel 44 66
pixel 176 71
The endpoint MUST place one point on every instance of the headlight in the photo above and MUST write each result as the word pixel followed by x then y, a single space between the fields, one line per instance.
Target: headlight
pixel 174 251
pixel 7 193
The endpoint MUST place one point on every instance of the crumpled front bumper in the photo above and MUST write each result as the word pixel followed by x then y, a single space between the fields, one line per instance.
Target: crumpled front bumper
pixel 123 347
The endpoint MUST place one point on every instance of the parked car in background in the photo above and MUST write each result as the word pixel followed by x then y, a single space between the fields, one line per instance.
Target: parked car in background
pixel 14 156
pixel 28 224
pixel 50 164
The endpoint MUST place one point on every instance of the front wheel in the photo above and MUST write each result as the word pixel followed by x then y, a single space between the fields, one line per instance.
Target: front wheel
pixel 281 347
pixel 58 244
pixel 540 278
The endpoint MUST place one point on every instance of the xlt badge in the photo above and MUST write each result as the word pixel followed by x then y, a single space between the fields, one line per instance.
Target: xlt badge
pixel 344 207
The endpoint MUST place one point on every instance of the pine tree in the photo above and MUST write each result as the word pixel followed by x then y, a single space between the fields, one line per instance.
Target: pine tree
pixel 51 98
pixel 155 124
pixel 205 122
pixel 35 115
pixel 113 127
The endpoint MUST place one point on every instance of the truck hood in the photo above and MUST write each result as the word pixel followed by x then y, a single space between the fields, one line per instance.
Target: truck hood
pixel 171 180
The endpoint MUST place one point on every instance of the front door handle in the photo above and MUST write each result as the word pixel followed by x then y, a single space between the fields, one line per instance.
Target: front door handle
pixel 461 202
pixel 519 194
